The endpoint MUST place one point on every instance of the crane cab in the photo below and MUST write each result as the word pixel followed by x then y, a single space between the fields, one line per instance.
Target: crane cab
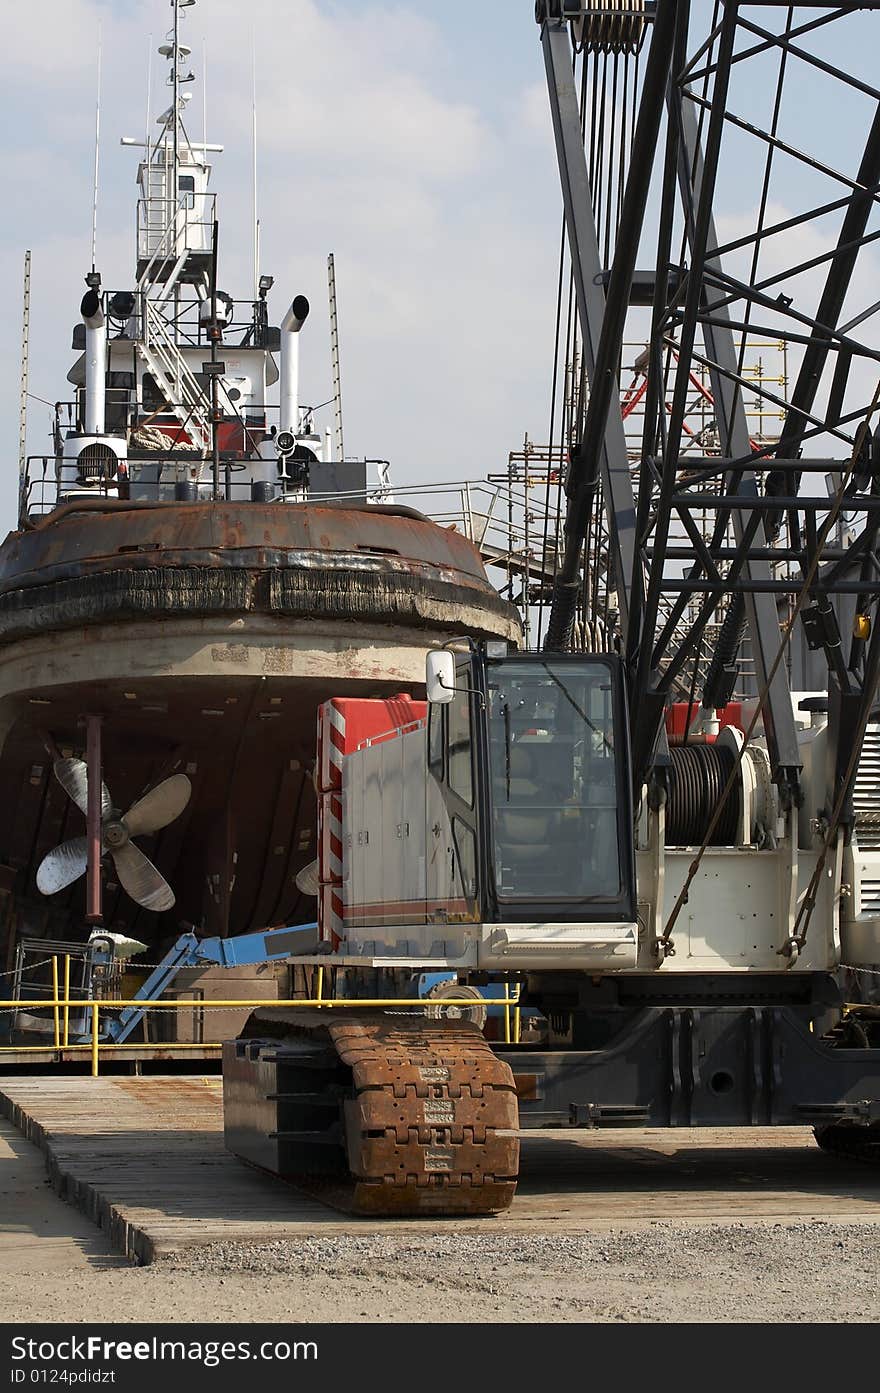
pixel 546 739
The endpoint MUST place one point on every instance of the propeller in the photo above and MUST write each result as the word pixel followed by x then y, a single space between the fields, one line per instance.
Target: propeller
pixel 136 873
pixel 307 879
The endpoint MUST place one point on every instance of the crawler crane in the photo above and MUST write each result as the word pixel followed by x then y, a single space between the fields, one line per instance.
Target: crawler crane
pixel 663 844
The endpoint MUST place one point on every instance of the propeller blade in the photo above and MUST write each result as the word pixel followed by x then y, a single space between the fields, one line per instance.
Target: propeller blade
pixel 63 865
pixel 73 776
pixel 307 879
pixel 160 806
pixel 140 879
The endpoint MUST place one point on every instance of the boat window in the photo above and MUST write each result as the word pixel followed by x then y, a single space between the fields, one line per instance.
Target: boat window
pixel 152 398
pixel 187 187
pixel 554 781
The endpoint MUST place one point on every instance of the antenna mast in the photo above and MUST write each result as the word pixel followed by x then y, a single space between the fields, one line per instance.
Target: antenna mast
pixel 149 96
pixel 254 172
pixel 97 148
pixel 204 102
pixel 175 85
pixel 334 356
pixel 22 416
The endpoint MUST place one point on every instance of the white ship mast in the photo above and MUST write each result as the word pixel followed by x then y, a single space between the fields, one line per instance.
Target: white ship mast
pixel 174 377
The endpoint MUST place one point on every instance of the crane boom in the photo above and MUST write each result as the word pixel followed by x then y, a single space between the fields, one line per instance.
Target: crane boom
pixel 758 547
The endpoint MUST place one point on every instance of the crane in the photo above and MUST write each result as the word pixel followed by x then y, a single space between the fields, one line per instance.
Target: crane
pixel 674 862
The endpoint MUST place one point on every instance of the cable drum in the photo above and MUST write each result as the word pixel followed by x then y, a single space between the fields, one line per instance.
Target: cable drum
pixel 698 777
pixel 618 27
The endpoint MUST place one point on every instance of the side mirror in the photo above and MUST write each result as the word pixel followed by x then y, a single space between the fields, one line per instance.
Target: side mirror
pixel 440 676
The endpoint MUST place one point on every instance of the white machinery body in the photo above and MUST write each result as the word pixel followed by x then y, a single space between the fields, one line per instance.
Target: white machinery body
pixel 403 896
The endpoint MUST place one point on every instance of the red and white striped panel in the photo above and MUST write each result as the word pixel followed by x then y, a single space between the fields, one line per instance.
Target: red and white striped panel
pixel 331 923
pixel 331 744
pixel 344 723
pixel 330 838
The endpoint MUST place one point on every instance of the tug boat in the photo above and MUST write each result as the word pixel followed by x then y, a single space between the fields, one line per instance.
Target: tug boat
pixel 197 567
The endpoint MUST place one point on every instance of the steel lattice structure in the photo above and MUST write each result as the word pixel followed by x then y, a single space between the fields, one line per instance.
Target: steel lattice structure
pixel 774 544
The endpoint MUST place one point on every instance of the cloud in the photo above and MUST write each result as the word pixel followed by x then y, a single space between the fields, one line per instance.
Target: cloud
pixel 375 142
pixel 344 87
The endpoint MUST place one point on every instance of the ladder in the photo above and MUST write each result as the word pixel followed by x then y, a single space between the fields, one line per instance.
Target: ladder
pixel 160 354
pixel 155 208
pixel 22 415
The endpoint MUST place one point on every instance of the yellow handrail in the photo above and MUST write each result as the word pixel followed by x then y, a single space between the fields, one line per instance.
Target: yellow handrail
pixel 56 1017
pixel 109 1045
pixel 86 1004
pixel 66 997
pixel 94 1005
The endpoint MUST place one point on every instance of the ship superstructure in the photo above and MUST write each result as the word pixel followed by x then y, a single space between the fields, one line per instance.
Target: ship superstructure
pixel 174 375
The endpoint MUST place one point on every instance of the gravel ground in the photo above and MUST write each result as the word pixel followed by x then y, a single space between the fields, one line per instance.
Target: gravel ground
pixel 56 1266
pixel 802 1272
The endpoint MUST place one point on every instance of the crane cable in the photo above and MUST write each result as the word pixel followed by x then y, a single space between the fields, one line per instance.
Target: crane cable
pixel 608 102
pixel 665 945
pixel 571 343
pixel 553 390
pixel 733 624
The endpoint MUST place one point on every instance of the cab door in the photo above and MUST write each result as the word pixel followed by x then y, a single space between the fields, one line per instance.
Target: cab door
pixel 451 811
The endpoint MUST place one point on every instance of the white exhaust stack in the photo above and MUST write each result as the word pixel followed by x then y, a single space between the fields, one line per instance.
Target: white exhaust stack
pixel 289 370
pixel 96 362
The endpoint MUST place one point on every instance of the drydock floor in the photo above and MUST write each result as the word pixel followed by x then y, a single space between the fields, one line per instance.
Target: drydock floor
pixel 144 1159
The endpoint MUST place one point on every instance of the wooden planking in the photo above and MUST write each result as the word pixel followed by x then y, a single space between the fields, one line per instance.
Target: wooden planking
pixel 144 1159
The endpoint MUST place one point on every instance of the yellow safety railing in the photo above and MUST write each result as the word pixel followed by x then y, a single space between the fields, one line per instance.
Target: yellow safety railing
pixel 66 997
pixel 94 1045
pixel 509 1037
pixel 56 1019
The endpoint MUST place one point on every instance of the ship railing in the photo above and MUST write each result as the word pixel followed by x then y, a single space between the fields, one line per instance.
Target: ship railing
pixel 500 522
pixel 157 241
pixel 503 522
pixel 70 972
pixel 71 415
pixel 247 328
pixel 169 229
pixel 52 480
pixel 154 475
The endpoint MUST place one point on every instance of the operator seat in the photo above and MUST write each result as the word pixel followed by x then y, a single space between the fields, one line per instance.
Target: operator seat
pixel 524 825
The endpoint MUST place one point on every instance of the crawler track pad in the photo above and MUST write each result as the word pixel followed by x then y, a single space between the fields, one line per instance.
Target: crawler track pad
pixel 420 1113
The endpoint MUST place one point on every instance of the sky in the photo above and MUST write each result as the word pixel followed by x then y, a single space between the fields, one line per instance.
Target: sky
pixel 411 138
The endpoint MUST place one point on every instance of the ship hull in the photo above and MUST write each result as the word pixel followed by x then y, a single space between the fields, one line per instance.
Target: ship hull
pixel 205 637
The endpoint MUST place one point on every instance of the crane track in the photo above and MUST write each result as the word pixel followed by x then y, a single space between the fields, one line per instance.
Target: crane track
pixel 852 1143
pixel 423 1112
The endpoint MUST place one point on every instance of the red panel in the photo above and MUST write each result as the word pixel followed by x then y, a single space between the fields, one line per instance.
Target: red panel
pixel 344 723
pixel 676 716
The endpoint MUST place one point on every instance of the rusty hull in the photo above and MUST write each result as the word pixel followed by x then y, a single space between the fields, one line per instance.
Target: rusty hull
pixel 206 635
pixel 104 562
pixel 89 536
